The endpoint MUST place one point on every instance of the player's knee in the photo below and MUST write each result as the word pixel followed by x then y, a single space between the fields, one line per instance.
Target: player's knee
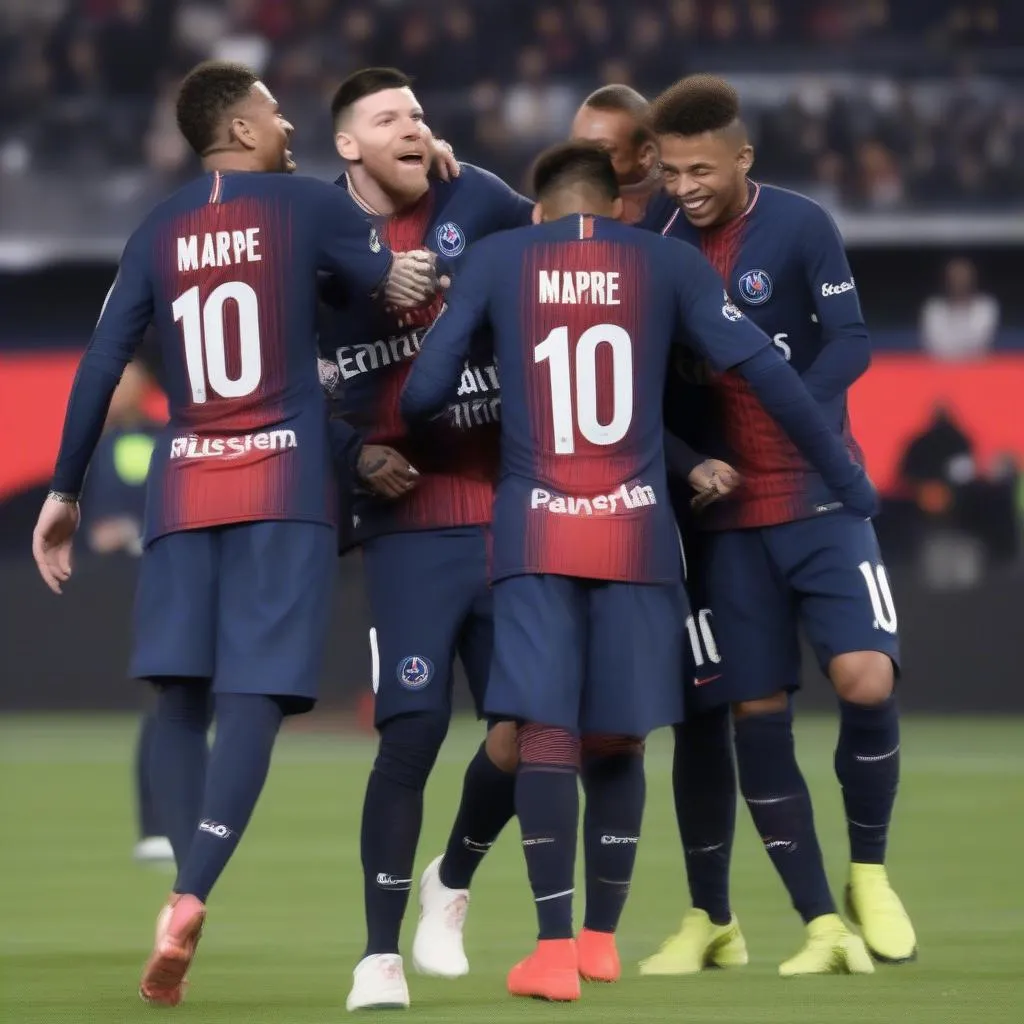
pixel 598 745
pixel 502 747
pixel 547 745
pixel 862 677
pixel 772 705
pixel 409 745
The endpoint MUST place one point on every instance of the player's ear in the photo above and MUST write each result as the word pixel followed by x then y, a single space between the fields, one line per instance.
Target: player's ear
pixel 538 214
pixel 745 159
pixel 241 131
pixel 648 156
pixel 617 208
pixel 347 147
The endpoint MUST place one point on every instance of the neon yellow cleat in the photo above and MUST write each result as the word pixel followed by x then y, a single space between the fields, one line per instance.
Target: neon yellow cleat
pixel 698 944
pixel 831 948
pixel 881 917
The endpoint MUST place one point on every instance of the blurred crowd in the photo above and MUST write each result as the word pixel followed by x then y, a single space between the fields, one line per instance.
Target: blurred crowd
pixel 88 85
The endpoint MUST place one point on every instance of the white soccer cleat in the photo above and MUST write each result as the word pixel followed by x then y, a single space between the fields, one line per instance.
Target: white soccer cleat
pixel 378 983
pixel 437 949
pixel 154 850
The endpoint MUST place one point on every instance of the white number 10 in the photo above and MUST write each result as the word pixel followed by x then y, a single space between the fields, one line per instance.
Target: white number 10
pixel 555 350
pixel 203 331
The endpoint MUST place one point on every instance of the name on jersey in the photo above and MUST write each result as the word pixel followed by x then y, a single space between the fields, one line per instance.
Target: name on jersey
pixel 192 446
pixel 580 287
pixel 622 499
pixel 218 249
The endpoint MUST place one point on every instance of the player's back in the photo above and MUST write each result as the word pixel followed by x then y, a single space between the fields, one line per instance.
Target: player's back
pixel 232 262
pixel 583 321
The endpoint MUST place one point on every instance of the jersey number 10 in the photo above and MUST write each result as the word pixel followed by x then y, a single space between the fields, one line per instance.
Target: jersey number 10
pixel 554 350
pixel 203 330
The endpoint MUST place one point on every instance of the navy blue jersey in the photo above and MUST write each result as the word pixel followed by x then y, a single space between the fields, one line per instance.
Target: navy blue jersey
pixel 584 311
pixel 784 265
pixel 226 270
pixel 370 354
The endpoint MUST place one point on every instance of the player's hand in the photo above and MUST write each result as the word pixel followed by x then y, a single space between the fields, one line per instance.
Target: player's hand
pixel 385 471
pixel 860 496
pixel 712 480
pixel 413 279
pixel 51 541
pixel 442 160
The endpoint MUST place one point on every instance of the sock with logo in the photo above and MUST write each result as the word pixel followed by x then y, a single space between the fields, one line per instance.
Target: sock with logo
pixel 704 787
pixel 776 793
pixel 548 807
pixel 867 765
pixel 614 790
pixel 247 727
pixel 487 806
pixel 145 801
pixel 178 754
pixel 392 818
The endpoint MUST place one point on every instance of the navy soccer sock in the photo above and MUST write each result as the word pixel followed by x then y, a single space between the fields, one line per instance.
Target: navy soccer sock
pixel 868 768
pixel 145 800
pixel 392 817
pixel 247 726
pixel 704 787
pixel 780 805
pixel 548 806
pixel 614 790
pixel 178 757
pixel 487 806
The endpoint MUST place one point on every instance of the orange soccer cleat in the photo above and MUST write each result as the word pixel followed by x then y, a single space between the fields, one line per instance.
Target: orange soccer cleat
pixel 598 956
pixel 549 972
pixel 178 929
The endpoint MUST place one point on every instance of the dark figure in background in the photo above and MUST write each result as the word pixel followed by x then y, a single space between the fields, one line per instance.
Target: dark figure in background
pixel 113 506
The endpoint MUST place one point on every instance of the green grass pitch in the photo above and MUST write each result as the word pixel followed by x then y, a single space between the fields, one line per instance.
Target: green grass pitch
pixel 285 926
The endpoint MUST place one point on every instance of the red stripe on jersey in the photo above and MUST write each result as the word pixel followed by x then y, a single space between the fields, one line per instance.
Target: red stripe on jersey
pixel 606 545
pixel 586 227
pixel 258 482
pixel 771 467
pixel 458 467
pixel 217 188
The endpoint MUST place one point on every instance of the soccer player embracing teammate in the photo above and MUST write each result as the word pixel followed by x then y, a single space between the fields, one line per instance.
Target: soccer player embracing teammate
pixel 783 550
pixel 587 578
pixel 238 567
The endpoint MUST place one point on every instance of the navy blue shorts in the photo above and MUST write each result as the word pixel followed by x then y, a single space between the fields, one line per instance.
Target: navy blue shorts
pixel 247 606
pixel 430 600
pixel 585 655
pixel 756 588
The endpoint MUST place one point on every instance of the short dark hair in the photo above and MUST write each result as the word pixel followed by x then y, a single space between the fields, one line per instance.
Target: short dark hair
pixel 695 105
pixel 207 93
pixel 623 99
pixel 366 82
pixel 618 97
pixel 574 163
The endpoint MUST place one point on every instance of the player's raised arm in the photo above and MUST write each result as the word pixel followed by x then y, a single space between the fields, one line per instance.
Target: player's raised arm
pixel 731 341
pixel 436 371
pixel 126 313
pixel 351 248
pixel 846 350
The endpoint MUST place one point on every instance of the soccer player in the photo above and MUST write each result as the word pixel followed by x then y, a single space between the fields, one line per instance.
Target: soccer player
pixel 614 117
pixel 238 564
pixel 423 516
pixel 783 551
pixel 588 601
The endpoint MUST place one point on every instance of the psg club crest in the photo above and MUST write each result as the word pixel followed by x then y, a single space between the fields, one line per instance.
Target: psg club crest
pixel 450 239
pixel 414 673
pixel 329 373
pixel 756 287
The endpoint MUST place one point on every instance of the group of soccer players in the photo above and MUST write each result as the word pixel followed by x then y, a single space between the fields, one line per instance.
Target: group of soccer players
pixel 526 523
